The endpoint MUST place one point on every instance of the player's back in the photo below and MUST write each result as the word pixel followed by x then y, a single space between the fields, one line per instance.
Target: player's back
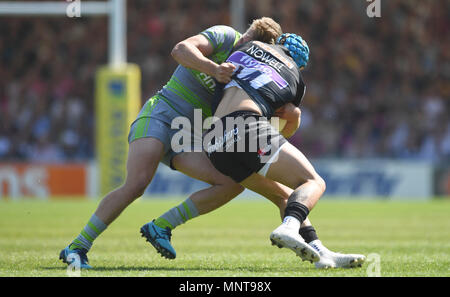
pixel 268 74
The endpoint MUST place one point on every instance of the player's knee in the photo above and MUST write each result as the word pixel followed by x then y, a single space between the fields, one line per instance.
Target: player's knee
pixel 230 186
pixel 320 183
pixel 136 187
pixel 227 183
pixel 282 203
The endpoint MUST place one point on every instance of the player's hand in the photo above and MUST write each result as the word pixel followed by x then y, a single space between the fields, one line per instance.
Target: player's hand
pixel 223 72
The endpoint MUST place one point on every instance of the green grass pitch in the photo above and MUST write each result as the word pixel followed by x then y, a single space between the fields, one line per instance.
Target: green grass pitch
pixel 411 238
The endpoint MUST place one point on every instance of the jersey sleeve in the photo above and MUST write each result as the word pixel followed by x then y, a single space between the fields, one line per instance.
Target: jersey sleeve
pixel 301 90
pixel 221 37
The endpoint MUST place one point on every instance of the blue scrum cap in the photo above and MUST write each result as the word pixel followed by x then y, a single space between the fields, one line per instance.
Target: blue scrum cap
pixel 298 48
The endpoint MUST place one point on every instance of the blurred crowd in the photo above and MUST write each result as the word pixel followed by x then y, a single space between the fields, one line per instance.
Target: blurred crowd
pixel 376 87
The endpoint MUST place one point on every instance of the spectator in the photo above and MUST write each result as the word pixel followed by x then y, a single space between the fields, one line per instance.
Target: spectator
pixel 376 87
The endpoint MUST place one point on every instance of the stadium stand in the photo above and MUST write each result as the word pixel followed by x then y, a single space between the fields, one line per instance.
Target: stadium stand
pixel 369 93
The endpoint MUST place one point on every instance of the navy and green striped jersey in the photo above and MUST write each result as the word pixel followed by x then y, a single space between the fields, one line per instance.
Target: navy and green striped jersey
pixel 188 89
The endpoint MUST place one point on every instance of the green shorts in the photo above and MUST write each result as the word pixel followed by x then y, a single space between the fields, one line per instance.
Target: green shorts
pixel 154 120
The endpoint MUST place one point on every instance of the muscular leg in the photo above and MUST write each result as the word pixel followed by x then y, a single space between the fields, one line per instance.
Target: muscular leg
pixel 277 193
pixel 307 184
pixel 198 166
pixel 143 158
pixel 293 170
pixel 224 189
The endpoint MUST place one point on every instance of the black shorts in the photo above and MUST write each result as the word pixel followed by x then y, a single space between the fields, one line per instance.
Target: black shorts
pixel 244 146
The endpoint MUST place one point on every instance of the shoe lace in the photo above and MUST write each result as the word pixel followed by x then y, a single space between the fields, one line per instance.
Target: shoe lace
pixel 320 248
pixel 168 233
pixel 315 246
pixel 82 253
pixel 164 233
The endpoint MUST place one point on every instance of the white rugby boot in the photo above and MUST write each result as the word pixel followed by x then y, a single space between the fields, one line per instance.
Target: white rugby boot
pixel 329 259
pixel 286 235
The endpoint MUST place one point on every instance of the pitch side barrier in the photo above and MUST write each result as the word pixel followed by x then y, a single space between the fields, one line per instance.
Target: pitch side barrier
pixel 349 179
pixel 352 179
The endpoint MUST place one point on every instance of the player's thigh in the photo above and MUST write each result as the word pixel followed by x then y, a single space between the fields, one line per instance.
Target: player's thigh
pixel 149 140
pixel 292 168
pixel 198 166
pixel 144 156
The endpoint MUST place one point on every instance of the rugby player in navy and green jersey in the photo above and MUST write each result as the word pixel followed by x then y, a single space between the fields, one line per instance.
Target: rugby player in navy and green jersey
pixel 150 134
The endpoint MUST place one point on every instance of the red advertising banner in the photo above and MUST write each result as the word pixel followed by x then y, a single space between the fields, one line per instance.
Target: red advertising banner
pixel 43 180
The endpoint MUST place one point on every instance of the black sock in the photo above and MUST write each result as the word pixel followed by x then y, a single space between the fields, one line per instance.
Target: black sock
pixel 308 233
pixel 296 210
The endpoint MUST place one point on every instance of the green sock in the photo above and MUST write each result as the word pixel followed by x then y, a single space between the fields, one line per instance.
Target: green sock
pixel 178 215
pixel 90 232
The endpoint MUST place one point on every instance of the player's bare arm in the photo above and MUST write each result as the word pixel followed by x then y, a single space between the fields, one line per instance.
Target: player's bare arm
pixel 193 52
pixel 292 115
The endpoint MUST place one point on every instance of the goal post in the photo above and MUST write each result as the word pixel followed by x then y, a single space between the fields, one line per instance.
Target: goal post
pixel 237 13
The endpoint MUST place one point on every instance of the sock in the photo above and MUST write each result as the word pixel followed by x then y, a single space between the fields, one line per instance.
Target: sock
pixel 308 233
pixel 178 215
pixel 90 232
pixel 296 210
pixel 291 222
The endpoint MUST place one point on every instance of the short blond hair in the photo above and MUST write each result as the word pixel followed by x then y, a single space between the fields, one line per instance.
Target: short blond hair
pixel 265 29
